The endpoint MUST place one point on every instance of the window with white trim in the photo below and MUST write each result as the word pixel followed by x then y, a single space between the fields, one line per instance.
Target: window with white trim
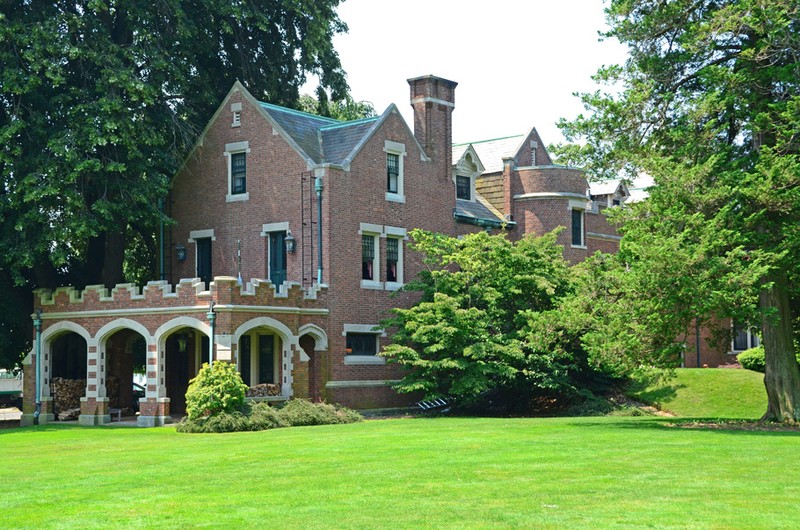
pixel 236 155
pixel 744 338
pixel 370 261
pixel 362 343
pixel 395 155
pixel 577 227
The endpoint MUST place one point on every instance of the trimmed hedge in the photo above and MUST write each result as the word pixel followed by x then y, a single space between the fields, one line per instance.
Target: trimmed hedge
pixel 262 416
pixel 753 359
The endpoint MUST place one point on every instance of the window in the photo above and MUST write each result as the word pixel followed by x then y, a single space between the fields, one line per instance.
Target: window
pixel 463 188
pixel 236 111
pixel 236 154
pixel 395 153
pixel 392 172
pixel 257 359
pixel 392 257
pixel 368 257
pixel 577 228
pixel 362 344
pixel 744 338
pixel 238 173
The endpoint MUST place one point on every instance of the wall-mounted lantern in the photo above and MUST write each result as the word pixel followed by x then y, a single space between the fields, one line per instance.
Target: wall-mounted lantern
pixel 180 251
pixel 183 342
pixel 289 241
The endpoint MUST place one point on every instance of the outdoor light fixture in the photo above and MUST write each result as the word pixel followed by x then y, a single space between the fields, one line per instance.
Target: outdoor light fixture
pixel 289 241
pixel 37 325
pixel 182 343
pixel 180 251
pixel 212 318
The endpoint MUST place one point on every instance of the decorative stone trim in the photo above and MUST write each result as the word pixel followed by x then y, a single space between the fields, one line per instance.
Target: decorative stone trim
pixel 361 384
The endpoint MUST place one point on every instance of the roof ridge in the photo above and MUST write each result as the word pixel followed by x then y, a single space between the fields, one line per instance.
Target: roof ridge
pixel 348 123
pixel 333 121
pixel 489 140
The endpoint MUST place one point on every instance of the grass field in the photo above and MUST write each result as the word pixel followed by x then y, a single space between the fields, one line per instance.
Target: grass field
pixel 609 472
pixel 708 393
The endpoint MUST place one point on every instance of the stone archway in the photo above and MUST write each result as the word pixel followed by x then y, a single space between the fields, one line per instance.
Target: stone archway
pixel 314 344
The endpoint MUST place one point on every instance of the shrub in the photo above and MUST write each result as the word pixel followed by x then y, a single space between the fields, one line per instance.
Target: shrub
pixel 215 390
pixel 262 416
pixel 220 422
pixel 300 412
pixel 752 359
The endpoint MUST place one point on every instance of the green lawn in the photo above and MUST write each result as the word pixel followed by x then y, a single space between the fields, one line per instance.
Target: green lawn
pixel 709 393
pixel 607 472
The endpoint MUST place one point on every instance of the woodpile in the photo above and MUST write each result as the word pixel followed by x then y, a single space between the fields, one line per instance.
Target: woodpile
pixel 112 391
pixel 264 390
pixel 67 393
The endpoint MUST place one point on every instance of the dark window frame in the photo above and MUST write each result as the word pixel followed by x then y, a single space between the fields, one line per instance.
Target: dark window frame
pixel 463 188
pixel 238 173
pixel 361 344
pixel 392 173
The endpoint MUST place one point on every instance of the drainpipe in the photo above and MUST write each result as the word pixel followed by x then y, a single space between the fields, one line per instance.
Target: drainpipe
pixel 37 325
pixel 318 187
pixel 212 318
pixel 697 339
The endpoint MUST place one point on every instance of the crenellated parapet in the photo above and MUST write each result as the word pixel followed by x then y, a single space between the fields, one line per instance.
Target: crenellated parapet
pixel 223 291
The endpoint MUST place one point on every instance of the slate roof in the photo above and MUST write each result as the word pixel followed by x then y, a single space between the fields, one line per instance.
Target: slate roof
pixel 492 152
pixel 323 140
pixel 476 211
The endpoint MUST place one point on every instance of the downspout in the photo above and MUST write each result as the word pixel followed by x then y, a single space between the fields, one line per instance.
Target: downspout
pixel 318 187
pixel 697 339
pixel 37 324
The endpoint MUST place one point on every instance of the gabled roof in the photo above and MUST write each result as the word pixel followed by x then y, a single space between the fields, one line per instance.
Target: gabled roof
pixel 322 140
pixel 492 152
pixel 608 187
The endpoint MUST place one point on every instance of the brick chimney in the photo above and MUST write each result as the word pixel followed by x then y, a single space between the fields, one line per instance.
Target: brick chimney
pixel 433 100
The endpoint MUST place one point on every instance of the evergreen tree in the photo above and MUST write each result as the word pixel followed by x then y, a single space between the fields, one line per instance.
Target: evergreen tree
pixel 708 103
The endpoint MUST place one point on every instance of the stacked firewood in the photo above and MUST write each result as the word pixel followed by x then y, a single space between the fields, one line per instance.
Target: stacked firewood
pixel 112 391
pixel 263 390
pixel 67 393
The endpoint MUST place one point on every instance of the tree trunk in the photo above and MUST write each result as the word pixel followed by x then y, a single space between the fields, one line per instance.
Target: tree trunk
pixel 782 374
pixel 114 256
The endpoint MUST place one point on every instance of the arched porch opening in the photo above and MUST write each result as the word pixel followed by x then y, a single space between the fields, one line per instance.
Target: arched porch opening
pixel 185 352
pixel 125 370
pixel 263 357
pixel 65 366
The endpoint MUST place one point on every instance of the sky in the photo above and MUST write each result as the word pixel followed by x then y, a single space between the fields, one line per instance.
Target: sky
pixel 517 62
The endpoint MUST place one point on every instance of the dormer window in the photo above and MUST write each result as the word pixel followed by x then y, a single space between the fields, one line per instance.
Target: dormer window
pixel 463 188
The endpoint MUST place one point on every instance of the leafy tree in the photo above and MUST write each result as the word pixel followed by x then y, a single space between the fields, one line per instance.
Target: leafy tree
pixel 709 105
pixel 345 110
pixel 470 331
pixel 100 100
